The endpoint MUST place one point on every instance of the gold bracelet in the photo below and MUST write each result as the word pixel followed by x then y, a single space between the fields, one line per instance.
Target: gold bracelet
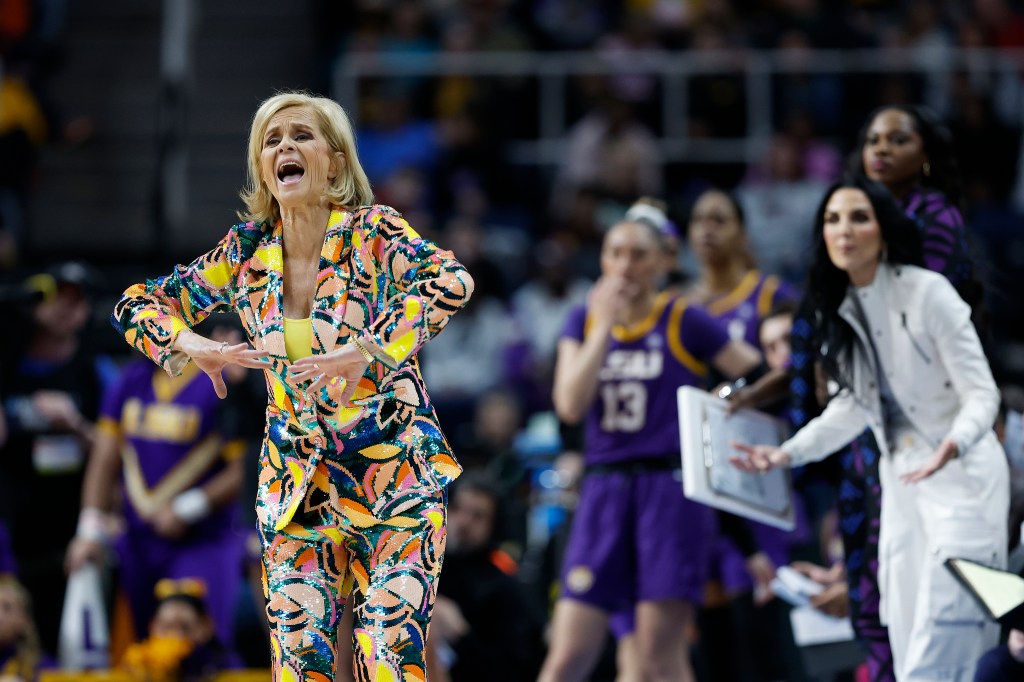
pixel 367 355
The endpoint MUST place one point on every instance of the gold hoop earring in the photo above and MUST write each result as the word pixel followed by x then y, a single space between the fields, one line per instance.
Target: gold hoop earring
pixel 926 169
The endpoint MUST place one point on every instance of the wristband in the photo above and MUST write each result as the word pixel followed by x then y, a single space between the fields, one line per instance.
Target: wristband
pixel 92 525
pixel 367 355
pixel 191 505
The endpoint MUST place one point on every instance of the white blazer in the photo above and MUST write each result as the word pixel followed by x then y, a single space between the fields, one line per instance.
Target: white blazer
pixel 932 359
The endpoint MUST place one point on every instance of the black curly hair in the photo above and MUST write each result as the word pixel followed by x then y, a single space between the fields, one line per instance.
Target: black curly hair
pixel 937 140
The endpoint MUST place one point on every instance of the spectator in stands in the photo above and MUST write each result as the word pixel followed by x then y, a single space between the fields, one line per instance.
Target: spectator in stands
pixel 23 130
pixel 570 24
pixel 778 203
pixel 496 421
pixel 1002 22
pixel 53 381
pixel 21 657
pixel 409 31
pixel 718 99
pixel 483 617
pixel 609 152
pixel 492 449
pixel 182 643
pixel 1004 663
pixel 636 51
pixel 477 342
pixel 986 146
pixel 817 97
pixel 393 136
pixel 539 307
pixel 163 439
pixel 494 26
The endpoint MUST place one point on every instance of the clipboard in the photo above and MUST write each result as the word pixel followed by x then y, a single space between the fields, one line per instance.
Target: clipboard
pixel 705 429
pixel 1000 594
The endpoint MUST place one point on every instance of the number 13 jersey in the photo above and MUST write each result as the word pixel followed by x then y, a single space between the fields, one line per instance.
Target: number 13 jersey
pixel 634 414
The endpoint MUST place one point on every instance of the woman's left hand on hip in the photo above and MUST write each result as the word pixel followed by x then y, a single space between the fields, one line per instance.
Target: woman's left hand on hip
pixel 342 364
pixel 946 451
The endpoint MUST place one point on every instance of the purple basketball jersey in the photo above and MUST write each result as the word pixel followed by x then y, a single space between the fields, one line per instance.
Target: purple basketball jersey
pixel 170 439
pixel 742 310
pixel 634 414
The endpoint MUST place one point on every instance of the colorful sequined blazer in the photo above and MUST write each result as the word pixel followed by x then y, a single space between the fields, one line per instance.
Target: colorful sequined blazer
pixel 378 280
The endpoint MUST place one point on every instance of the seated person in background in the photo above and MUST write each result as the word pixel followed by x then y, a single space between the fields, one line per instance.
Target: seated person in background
pixel 182 643
pixel 1004 663
pixel 773 386
pixel 162 437
pixel 21 658
pixel 483 627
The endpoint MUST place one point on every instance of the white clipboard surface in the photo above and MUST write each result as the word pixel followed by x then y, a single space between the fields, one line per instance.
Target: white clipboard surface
pixel 705 431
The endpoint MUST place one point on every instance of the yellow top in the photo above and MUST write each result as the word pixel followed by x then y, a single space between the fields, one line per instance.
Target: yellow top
pixel 298 338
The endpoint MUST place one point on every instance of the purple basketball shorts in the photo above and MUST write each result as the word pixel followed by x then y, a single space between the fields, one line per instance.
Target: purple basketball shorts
pixel 636 537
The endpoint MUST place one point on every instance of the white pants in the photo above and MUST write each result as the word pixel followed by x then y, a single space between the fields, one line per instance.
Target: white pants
pixel 936 630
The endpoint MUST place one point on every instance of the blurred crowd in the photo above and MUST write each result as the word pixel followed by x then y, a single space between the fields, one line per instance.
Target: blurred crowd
pixel 88 428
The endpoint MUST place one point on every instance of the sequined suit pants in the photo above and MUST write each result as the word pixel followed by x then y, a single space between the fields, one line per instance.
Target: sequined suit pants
pixel 343 540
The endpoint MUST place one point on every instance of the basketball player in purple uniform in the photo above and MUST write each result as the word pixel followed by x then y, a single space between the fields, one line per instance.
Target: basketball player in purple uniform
pixel 739 296
pixel 181 482
pixel 635 538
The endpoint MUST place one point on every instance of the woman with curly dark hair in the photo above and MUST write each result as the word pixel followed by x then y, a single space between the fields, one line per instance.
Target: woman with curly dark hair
pixel 910 151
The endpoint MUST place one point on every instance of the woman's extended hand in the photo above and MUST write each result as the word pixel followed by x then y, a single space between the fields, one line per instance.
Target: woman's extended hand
pixel 759 458
pixel 341 364
pixel 946 451
pixel 211 357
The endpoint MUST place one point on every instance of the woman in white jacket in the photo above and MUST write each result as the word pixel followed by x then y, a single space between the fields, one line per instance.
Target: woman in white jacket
pixel 903 356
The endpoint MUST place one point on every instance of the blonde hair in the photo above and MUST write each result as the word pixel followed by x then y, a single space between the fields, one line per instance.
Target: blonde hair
pixel 350 188
pixel 27 650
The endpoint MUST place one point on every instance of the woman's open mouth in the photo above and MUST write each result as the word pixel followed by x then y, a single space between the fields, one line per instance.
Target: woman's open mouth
pixel 290 172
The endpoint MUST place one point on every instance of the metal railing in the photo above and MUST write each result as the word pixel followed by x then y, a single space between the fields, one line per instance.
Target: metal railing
pixel 674 69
